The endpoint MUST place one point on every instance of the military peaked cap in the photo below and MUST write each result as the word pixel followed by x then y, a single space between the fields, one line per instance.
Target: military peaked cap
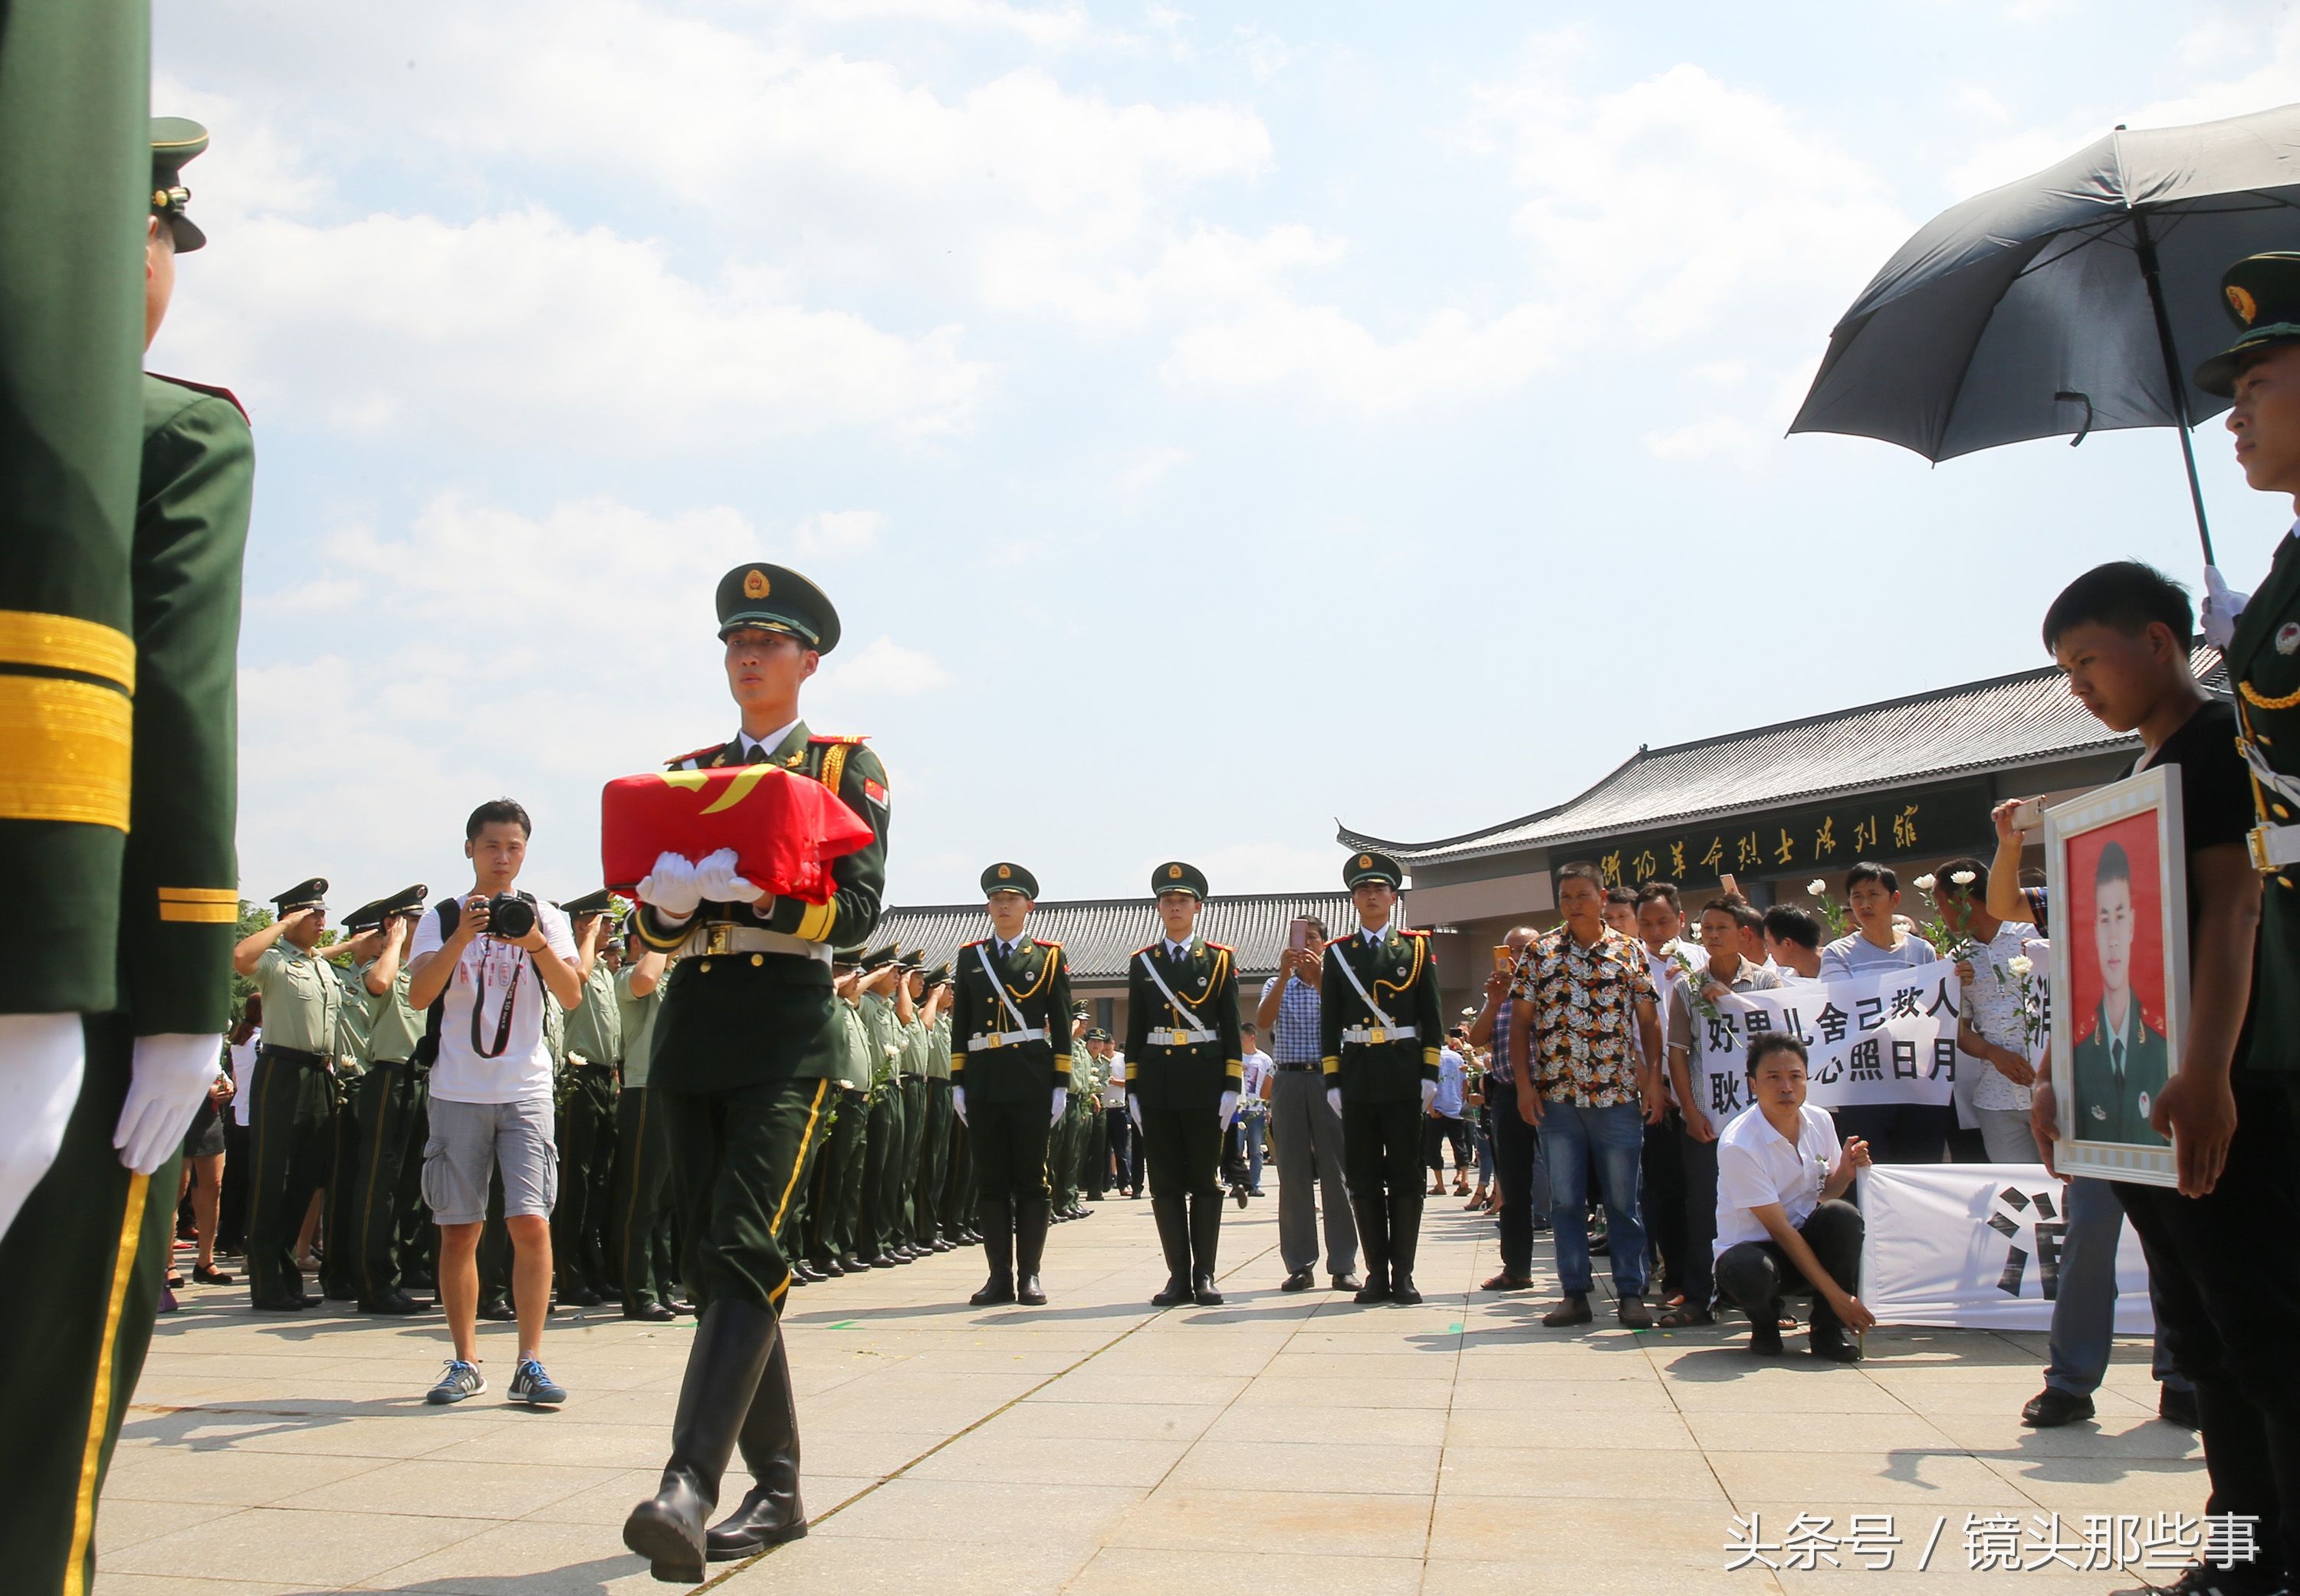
pixel 774 598
pixel 1175 876
pixel 1010 878
pixel 2263 295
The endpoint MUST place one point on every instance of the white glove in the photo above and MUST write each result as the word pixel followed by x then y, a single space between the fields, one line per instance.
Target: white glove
pixel 1062 1101
pixel 671 887
pixel 172 1074
pixel 716 877
pixel 958 1103
pixel 1429 1094
pixel 2221 608
pixel 1228 1108
pixel 41 1057
pixel 1334 1099
pixel 1134 1107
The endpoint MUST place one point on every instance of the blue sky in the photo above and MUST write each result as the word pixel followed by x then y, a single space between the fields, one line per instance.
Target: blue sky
pixel 1208 423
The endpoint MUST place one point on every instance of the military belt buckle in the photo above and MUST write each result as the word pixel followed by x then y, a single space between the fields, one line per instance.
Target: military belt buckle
pixel 1376 1036
pixel 997 1039
pixel 1178 1037
pixel 718 938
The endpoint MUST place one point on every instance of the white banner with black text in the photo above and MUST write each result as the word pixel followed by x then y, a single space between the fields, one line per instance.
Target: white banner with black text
pixel 1885 1038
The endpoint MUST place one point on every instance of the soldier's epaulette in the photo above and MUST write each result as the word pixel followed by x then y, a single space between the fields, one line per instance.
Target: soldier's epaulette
pixel 978 942
pixel 1043 942
pixel 205 387
pixel 1402 931
pixel 852 737
pixel 1220 947
pixel 1144 948
pixel 677 759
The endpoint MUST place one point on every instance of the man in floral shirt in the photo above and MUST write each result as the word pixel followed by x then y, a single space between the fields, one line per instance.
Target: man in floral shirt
pixel 1584 1004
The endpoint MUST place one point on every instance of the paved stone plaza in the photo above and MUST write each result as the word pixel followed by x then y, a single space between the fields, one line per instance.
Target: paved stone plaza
pixel 1277 1444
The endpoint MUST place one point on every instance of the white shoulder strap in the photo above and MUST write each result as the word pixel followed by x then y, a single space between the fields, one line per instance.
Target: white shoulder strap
pixel 1190 1016
pixel 999 987
pixel 1379 1018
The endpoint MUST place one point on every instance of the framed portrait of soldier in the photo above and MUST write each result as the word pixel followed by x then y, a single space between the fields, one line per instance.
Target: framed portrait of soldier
pixel 2117 878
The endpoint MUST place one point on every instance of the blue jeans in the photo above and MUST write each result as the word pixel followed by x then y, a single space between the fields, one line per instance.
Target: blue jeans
pixel 2084 1304
pixel 1609 1143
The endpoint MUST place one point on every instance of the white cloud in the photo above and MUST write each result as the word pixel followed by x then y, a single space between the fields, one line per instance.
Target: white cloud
pixel 884 669
pixel 836 533
pixel 1049 26
pixel 518 327
pixel 1145 472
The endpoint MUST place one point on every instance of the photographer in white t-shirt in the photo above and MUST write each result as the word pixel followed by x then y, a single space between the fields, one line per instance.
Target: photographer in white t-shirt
pixel 490 962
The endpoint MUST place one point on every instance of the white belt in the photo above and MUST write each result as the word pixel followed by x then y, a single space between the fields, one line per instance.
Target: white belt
pixel 1181 1035
pixel 720 937
pixel 2273 847
pixel 1375 1035
pixel 982 1044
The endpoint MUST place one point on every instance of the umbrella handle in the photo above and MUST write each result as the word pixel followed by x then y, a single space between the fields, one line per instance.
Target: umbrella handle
pixel 2070 396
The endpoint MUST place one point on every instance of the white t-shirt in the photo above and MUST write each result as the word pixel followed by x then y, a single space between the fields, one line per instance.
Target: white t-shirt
pixel 243 1076
pixel 520 1071
pixel 1255 1068
pixel 1756 1164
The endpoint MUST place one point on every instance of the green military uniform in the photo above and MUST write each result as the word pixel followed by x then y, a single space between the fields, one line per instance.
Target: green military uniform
pixel 1379 1036
pixel 119 573
pixel 840 1210
pixel 638 1219
pixel 882 1140
pixel 748 1050
pixel 291 1120
pixel 1009 1022
pixel 384 1195
pixel 936 1228
pixel 2117 1077
pixel 354 1025
pixel 586 1127
pixel 914 1063
pixel 1097 1160
pixel 1185 1049
pixel 958 1193
pixel 1067 1144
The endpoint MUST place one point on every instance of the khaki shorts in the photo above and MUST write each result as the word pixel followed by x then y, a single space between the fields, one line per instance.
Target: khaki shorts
pixel 471 1141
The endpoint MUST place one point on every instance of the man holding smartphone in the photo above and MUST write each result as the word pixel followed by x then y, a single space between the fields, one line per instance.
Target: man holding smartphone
pixel 1302 1123
pixel 483 967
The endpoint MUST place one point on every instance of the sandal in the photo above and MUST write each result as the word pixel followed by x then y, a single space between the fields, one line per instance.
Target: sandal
pixel 1680 1318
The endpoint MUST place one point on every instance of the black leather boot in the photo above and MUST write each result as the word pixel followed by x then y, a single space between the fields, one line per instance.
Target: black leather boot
pixel 1174 1238
pixel 1205 1238
pixel 999 1247
pixel 1030 1247
pixel 1404 1241
pixel 1373 1237
pixel 771 1513
pixel 732 1343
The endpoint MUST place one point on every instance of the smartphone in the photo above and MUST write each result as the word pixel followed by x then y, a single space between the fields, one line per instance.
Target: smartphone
pixel 1504 960
pixel 2029 815
pixel 1297 935
pixel 1728 883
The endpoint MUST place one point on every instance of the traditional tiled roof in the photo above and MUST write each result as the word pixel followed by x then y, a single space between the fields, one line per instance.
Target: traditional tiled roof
pixel 1100 935
pixel 2001 724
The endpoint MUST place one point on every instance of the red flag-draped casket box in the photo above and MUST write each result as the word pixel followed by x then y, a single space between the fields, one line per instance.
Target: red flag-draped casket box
pixel 785 828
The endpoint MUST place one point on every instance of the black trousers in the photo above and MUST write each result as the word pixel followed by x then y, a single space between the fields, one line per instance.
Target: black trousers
pixel 1899 1133
pixel 1122 1154
pixel 638 1217
pixel 1695 1275
pixel 1007 1142
pixel 934 1162
pixel 239 1167
pixel 291 1129
pixel 737 1157
pixel 1755 1276
pixel 388 1160
pixel 338 1216
pixel 1182 1144
pixel 882 1146
pixel 2224 1276
pixel 1662 1200
pixel 838 1181
pixel 1097 1152
pixel 1436 1131
pixel 587 1158
pixel 88 1250
pixel 1381 1148
pixel 1517 1158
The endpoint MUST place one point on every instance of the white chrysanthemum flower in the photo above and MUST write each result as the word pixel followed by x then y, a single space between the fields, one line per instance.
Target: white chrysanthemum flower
pixel 1925 882
pixel 1963 878
pixel 1817 887
pixel 2020 964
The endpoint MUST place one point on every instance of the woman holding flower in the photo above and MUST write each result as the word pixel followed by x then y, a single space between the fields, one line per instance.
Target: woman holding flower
pixel 1999 1014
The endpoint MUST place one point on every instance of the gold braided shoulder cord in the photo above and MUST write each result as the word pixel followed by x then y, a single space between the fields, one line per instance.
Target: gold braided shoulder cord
pixel 2261 701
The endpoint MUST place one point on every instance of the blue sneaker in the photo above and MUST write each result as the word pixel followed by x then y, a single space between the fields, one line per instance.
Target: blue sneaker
pixel 461 1380
pixel 532 1386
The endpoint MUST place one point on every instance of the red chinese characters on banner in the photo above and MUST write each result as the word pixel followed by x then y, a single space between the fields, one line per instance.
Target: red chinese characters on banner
pixel 785 828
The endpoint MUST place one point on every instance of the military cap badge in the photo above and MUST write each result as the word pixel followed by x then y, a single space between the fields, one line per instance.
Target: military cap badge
pixel 2241 301
pixel 756 586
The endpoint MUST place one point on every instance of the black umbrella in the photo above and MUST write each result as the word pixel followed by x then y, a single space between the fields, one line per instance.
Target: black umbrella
pixel 2071 302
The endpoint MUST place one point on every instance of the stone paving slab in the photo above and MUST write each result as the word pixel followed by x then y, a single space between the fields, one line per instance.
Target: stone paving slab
pixel 1278 1443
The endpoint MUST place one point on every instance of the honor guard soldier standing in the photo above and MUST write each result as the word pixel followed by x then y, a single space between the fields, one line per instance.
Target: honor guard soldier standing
pixel 1009 1074
pixel 1184 1061
pixel 586 1112
pixel 1378 1003
pixel 387 1109
pixel 116 813
pixel 291 1120
pixel 747 1049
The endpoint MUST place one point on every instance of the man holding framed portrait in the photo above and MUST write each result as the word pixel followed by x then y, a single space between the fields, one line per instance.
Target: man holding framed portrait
pixel 2158 903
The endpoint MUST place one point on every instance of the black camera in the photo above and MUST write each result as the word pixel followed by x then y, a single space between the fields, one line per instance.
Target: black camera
pixel 510 916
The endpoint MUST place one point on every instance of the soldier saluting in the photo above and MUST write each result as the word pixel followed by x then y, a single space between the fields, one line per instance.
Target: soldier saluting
pixel 1184 1061
pixel 1378 1008
pixel 749 1047
pixel 1010 1070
